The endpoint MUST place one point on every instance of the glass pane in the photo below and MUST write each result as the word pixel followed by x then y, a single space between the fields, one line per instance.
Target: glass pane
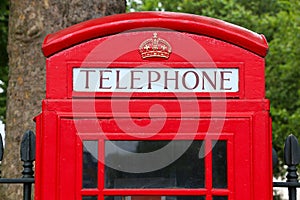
pixel 90 164
pixel 90 198
pixel 154 198
pixel 219 164
pixel 186 171
pixel 220 198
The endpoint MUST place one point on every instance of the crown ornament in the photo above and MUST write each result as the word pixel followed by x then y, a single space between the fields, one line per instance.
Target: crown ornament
pixel 155 47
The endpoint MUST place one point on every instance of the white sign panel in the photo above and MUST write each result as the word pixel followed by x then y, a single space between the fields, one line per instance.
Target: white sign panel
pixel 155 79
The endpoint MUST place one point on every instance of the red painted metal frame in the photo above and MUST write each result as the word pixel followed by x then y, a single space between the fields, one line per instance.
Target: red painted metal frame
pixel 247 124
pixel 61 143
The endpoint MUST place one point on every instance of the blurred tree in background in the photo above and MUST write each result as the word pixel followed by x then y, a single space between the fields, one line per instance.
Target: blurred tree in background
pixel 279 21
pixel 29 23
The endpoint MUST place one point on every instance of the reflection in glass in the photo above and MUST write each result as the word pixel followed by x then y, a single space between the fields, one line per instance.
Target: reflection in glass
pixel 185 172
pixel 219 164
pixel 154 198
pixel 220 198
pixel 89 198
pixel 90 164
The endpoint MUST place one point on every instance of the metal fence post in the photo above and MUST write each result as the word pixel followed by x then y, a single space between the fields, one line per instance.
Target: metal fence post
pixel 28 156
pixel 292 159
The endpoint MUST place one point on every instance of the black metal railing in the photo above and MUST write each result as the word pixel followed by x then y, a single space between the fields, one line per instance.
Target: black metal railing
pixel 28 157
pixel 291 159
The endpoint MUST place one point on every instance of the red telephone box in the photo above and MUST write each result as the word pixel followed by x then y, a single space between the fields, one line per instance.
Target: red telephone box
pixel 154 106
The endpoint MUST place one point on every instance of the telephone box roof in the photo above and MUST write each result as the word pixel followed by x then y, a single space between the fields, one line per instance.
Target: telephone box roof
pixel 181 22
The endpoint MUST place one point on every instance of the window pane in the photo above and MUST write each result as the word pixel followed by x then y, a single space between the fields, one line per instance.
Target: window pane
pixel 154 198
pixel 90 164
pixel 185 172
pixel 219 164
pixel 220 198
pixel 90 198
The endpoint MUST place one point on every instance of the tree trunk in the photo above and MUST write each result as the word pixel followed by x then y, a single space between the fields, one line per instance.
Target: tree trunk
pixel 29 22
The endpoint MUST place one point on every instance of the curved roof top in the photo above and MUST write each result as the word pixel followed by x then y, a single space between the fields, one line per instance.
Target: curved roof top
pixel 195 24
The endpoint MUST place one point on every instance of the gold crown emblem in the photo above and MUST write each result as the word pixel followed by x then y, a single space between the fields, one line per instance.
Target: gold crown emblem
pixel 155 48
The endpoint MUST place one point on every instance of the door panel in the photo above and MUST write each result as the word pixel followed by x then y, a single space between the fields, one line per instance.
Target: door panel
pixel 206 167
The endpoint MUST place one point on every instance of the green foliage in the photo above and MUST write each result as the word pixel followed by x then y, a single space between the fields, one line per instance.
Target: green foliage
pixel 283 74
pixel 279 21
pixel 227 10
pixel 260 7
pixel 3 56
